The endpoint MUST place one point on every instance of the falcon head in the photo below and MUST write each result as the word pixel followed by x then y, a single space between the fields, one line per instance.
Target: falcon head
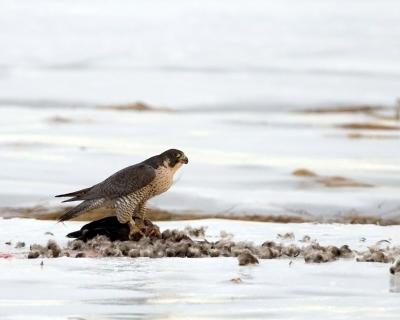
pixel 174 158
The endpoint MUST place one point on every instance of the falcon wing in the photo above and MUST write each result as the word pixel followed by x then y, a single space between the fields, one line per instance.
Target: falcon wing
pixel 121 183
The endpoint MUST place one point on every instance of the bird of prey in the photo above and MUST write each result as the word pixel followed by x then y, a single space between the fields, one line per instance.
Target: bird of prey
pixel 128 190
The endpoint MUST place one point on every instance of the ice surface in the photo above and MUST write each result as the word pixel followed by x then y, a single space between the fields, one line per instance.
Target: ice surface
pixel 238 162
pixel 233 69
pixel 197 54
pixel 183 288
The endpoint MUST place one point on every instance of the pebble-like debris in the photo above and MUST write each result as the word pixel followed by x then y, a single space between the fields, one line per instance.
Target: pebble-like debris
pixel 20 244
pixel 396 267
pixel 176 243
pixel 246 257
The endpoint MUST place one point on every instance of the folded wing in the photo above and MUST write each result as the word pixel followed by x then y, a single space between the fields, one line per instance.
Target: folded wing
pixel 121 183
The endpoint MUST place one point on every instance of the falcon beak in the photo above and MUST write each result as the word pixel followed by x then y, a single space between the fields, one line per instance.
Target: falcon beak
pixel 185 160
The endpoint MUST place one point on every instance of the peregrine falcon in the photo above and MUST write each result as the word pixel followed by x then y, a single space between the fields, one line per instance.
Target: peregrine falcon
pixel 128 190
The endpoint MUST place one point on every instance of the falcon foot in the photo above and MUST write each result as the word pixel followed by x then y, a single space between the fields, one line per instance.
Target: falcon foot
pixel 148 229
pixel 153 231
pixel 135 232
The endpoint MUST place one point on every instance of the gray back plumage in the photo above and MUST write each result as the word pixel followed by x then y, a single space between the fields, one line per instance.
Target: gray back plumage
pixel 121 183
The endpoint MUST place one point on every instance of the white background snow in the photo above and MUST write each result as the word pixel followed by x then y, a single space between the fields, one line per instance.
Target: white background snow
pixel 184 288
pixel 234 70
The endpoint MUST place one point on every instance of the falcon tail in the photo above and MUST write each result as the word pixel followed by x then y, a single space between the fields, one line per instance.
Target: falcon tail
pixel 76 195
pixel 81 208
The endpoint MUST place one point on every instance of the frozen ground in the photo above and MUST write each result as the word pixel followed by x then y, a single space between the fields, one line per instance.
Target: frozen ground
pixel 240 162
pixel 201 54
pixel 235 70
pixel 183 288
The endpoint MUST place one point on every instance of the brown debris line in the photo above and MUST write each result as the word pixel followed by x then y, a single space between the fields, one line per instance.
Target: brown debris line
pixel 154 214
pixel 59 119
pixel 346 109
pixel 351 218
pixel 137 106
pixel 388 114
pixel 338 182
pixel 369 126
pixel 329 181
pixel 43 213
pixel 303 173
pixel 176 243
pixel 357 135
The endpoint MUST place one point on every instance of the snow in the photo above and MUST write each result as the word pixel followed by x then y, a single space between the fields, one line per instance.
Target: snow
pixel 233 69
pixel 191 53
pixel 183 288
pixel 236 72
pixel 232 156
